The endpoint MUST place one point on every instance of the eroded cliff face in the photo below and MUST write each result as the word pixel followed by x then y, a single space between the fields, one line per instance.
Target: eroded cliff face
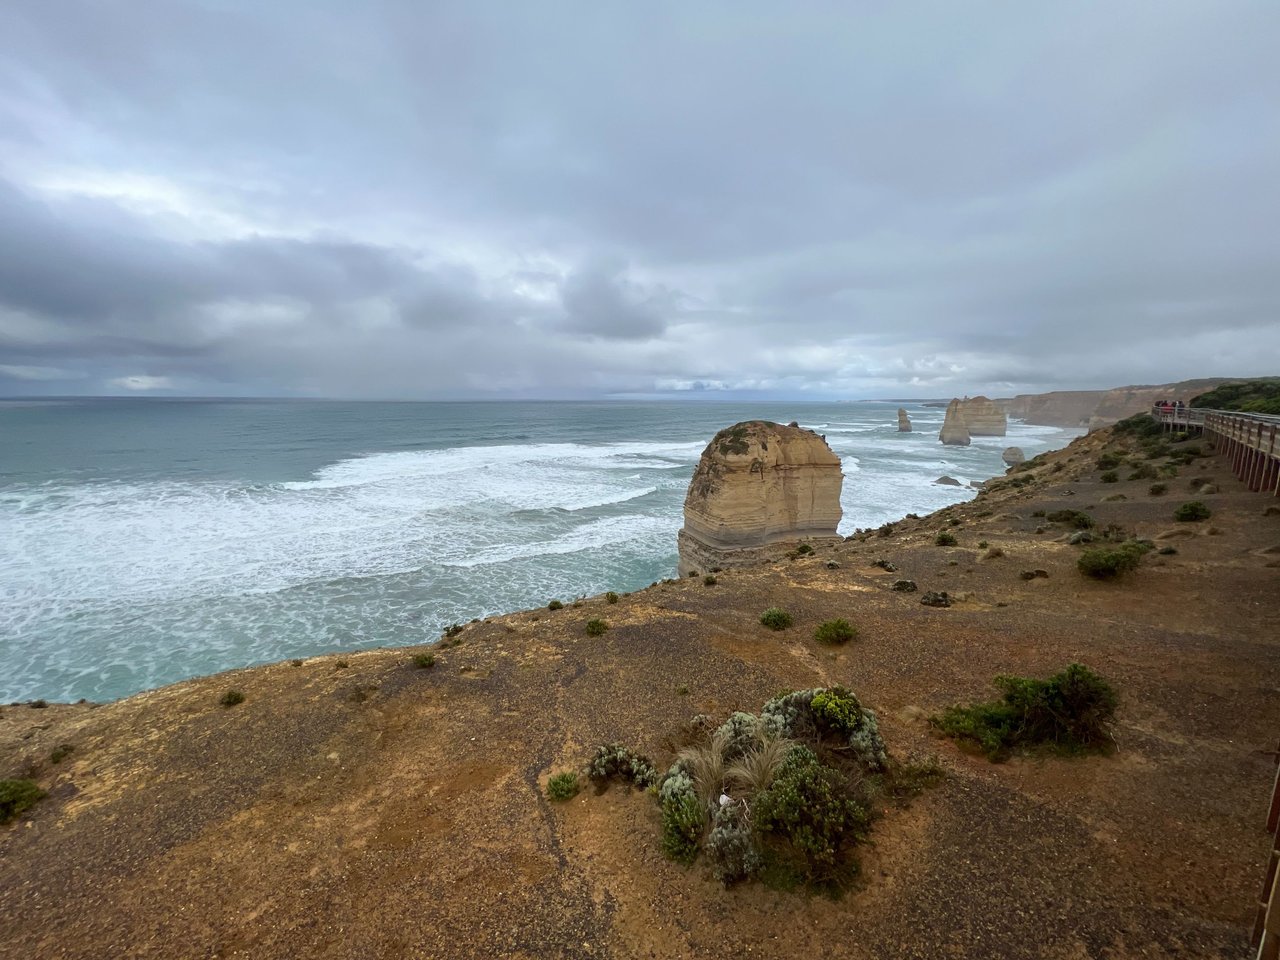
pixel 757 485
pixel 1100 408
pixel 904 421
pixel 954 432
pixel 983 417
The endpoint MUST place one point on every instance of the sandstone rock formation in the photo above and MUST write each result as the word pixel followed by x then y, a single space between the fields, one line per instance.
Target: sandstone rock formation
pixel 948 481
pixel 954 432
pixel 757 485
pixel 904 422
pixel 983 417
pixel 1013 456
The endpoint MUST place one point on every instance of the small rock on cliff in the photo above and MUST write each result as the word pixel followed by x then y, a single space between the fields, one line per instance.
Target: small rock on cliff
pixel 904 422
pixel 954 432
pixel 757 485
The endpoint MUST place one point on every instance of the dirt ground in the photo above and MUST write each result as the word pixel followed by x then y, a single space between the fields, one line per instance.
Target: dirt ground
pixel 356 806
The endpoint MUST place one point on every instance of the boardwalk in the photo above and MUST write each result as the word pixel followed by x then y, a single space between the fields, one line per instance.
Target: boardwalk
pixel 1251 440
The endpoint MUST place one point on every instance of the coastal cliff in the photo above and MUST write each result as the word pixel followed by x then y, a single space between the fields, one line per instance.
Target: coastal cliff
pixel 1100 408
pixel 383 804
pixel 758 484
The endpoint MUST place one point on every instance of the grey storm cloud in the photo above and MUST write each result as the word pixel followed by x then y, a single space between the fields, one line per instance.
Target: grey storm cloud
pixel 399 199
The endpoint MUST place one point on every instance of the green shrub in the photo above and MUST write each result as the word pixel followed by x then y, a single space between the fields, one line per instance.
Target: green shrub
pixel 613 761
pixel 61 752
pixel 982 544
pixel 231 698
pixel 683 817
pixel 1139 425
pixel 424 661
pixel 812 807
pixel 835 631
pixel 775 618
pixel 1158 489
pixel 709 580
pixel 1071 711
pixel 731 844
pixel 555 605
pixel 1037 513
pixel 1104 563
pixel 17 796
pixel 1109 477
pixel 946 539
pixel 1191 511
pixel 1073 518
pixel 1144 472
pixel 563 786
pixel 804 549
pixel 596 627
pixel 610 597
pixel 452 630
pixel 1250 396
pixel 1109 461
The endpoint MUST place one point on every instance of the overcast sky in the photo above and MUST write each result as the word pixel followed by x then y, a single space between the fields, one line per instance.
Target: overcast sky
pixel 426 199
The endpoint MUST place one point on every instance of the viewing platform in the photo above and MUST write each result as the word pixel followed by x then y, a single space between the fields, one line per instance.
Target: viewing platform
pixel 1251 440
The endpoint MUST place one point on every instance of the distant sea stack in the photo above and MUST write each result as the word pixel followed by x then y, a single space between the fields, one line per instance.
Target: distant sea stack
pixel 954 432
pixel 757 485
pixel 983 417
pixel 904 422
pixel 1013 456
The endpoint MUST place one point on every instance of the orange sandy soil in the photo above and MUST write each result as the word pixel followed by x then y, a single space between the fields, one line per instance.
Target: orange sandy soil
pixel 378 810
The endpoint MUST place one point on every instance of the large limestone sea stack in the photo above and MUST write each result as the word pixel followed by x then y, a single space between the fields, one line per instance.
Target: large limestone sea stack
pixel 757 486
pixel 983 417
pixel 904 421
pixel 954 432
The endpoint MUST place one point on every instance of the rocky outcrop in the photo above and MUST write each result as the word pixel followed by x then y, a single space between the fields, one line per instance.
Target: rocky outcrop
pixel 904 422
pixel 983 417
pixel 758 485
pixel 948 481
pixel 954 432
pixel 1013 456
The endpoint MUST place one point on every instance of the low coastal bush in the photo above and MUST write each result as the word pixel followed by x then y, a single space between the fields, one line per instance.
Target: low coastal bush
pixel 231 698
pixel 61 752
pixel 555 605
pixel 1109 477
pixel 563 786
pixel 1191 511
pixel 982 544
pixel 610 597
pixel 709 580
pixel 1105 563
pixel 424 661
pixel 596 627
pixel 1109 461
pixel 775 618
pixel 613 761
pixel 1158 489
pixel 804 549
pixel 1144 472
pixel 1140 425
pixel 17 796
pixel 835 631
pixel 1070 712
pixel 945 539
pixel 784 795
pixel 1072 518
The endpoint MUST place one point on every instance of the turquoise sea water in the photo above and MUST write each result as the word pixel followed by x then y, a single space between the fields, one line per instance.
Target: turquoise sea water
pixel 146 541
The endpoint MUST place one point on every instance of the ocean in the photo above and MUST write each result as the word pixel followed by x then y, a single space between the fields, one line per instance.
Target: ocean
pixel 144 541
